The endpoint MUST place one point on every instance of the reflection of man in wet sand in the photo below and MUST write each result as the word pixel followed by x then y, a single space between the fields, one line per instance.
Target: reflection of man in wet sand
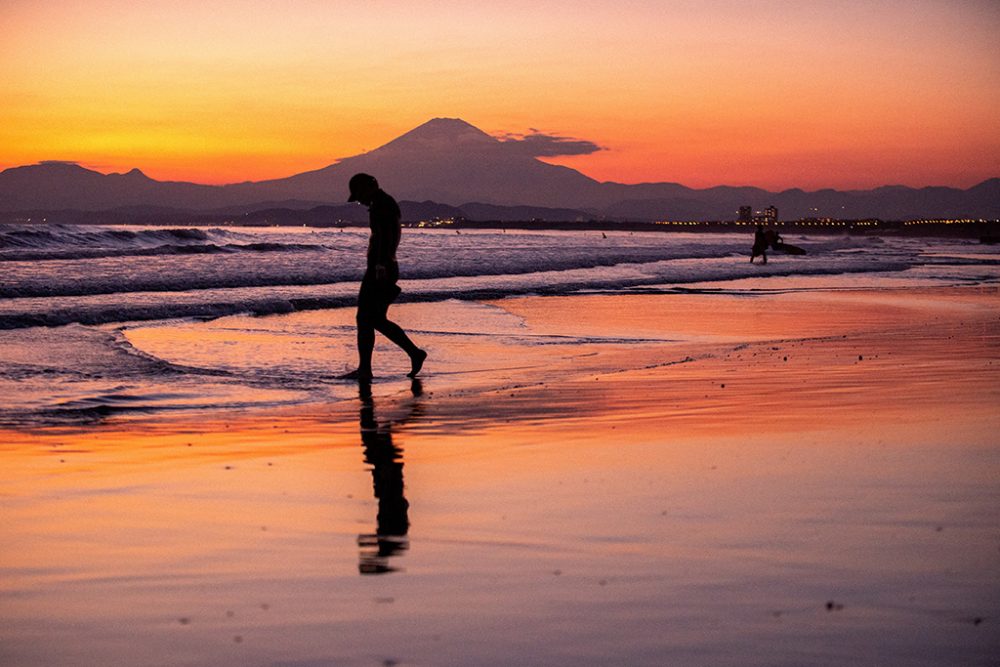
pixel 378 287
pixel 393 522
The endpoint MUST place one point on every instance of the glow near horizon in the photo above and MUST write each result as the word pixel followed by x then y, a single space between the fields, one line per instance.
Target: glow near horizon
pixel 775 94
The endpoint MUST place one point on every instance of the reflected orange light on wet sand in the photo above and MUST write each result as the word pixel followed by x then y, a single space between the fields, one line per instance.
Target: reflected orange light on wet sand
pixel 618 487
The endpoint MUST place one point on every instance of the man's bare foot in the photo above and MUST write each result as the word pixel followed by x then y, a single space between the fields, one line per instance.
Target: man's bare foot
pixel 416 363
pixel 358 374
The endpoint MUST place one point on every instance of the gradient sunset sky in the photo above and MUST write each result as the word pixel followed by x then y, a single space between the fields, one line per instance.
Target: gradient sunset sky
pixel 771 93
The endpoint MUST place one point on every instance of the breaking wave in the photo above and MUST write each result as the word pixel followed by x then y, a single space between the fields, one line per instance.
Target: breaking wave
pixel 68 243
pixel 92 275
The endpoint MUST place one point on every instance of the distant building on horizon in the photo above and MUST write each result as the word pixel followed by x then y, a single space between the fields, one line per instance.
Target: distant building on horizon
pixel 768 216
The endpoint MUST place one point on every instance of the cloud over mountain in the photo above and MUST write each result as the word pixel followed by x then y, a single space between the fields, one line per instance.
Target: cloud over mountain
pixel 540 144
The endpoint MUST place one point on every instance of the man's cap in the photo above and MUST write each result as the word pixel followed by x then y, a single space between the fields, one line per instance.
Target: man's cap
pixel 358 182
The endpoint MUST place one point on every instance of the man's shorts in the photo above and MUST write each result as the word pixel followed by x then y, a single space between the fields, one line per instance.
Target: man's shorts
pixel 376 296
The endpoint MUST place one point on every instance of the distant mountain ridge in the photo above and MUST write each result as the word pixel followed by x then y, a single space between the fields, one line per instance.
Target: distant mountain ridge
pixel 452 163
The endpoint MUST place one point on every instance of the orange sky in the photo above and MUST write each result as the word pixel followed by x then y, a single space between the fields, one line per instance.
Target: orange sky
pixel 773 93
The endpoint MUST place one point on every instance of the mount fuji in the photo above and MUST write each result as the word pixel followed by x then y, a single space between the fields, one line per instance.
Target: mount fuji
pixel 451 162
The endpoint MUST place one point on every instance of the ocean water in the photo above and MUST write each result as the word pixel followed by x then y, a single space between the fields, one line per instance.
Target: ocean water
pixel 80 307
pixel 59 275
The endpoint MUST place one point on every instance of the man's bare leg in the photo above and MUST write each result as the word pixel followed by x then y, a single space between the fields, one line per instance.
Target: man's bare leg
pixel 395 333
pixel 366 344
pixel 416 363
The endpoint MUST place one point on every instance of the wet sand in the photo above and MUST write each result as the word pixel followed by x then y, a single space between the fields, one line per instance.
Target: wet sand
pixel 713 479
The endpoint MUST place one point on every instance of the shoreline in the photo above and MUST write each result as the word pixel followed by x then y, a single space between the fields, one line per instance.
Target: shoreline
pixel 630 345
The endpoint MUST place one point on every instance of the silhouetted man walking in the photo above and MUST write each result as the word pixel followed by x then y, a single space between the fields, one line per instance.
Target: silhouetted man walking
pixel 378 287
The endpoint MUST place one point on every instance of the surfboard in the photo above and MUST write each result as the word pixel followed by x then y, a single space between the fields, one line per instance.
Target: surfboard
pixel 789 249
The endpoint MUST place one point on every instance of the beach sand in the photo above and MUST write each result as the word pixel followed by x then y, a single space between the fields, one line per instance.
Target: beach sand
pixel 800 478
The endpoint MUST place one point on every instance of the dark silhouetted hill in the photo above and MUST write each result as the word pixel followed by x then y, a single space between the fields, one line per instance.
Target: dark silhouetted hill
pixel 448 160
pixel 452 163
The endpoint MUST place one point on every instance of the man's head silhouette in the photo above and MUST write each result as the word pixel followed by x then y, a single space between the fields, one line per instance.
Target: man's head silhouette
pixel 362 187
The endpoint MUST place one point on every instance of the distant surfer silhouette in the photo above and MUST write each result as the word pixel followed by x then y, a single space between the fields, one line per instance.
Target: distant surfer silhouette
pixel 760 243
pixel 378 287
